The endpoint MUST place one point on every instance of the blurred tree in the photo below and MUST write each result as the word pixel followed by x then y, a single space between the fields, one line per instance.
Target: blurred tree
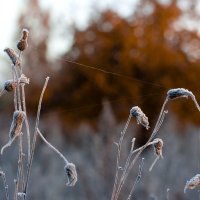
pixel 145 55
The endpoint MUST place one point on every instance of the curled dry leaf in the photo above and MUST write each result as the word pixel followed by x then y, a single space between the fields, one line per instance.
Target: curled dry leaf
pixel 158 147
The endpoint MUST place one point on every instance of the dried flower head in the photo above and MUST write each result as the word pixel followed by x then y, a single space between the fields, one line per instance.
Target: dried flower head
pixel 23 79
pixel 179 92
pixel 70 170
pixel 10 85
pixel 15 128
pixel 13 56
pixel 22 44
pixel 17 123
pixel 192 183
pixel 140 116
pixel 158 146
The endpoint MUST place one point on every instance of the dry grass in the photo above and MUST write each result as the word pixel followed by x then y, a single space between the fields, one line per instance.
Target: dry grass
pixel 25 156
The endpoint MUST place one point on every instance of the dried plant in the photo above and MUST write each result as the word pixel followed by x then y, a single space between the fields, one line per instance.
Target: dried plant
pixel 17 86
pixel 120 178
pixel 192 183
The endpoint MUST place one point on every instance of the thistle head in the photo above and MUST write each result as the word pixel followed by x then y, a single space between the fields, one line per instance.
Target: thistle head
pixel 13 56
pixel 140 116
pixel 70 170
pixel 192 183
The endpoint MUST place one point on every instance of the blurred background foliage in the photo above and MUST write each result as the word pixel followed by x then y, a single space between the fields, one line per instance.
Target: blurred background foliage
pixel 126 61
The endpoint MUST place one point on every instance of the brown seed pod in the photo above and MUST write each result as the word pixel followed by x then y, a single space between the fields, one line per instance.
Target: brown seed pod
pixel 158 146
pixel 13 56
pixel 17 123
pixel 10 85
pixel 22 44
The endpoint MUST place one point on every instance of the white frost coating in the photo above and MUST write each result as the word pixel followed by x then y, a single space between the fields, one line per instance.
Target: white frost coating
pixel 182 92
pixel 192 183
pixel 140 116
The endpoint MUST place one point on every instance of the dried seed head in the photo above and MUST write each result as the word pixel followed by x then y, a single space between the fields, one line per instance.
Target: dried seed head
pixel 140 116
pixel 10 85
pixel 17 123
pixel 22 44
pixel 192 183
pixel 179 92
pixel 15 128
pixel 70 170
pixel 23 79
pixel 158 146
pixel 13 56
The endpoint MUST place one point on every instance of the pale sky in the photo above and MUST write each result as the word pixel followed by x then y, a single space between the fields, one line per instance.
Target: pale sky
pixel 68 11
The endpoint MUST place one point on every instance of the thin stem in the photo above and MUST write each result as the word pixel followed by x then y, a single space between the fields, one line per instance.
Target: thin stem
pixel 34 138
pixel 2 174
pixel 52 147
pixel 19 179
pixel 119 155
pixel 129 156
pixel 26 119
pixel 167 195
pixel 137 179
pixel 8 144
pixel 154 162
pixel 128 161
pixel 18 90
pixel 196 103
pixel 15 93
pixel 138 149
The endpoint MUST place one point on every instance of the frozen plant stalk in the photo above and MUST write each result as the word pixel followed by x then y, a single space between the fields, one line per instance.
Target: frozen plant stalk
pixel 70 168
